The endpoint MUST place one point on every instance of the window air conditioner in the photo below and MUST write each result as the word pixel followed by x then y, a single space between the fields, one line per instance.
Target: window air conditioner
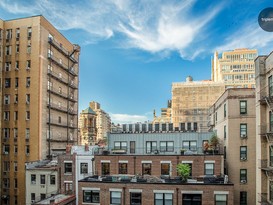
pixel 243 136
pixel 243 158
pixel 243 181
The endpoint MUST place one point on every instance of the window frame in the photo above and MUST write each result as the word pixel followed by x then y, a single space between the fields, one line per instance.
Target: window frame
pixel 206 169
pixel 93 195
pixel 243 131
pixel 148 169
pixel 220 202
pixel 112 199
pixel 164 170
pixel 164 146
pixel 243 198
pixel 103 166
pixel 68 168
pixel 84 168
pixel 243 108
pixel 151 147
pixel 243 153
pixel 123 168
pixel 138 199
pixel 163 198
pixel 243 176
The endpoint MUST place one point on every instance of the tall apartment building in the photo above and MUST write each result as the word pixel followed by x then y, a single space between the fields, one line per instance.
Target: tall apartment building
pixel 166 114
pixel 191 101
pixel 88 127
pixel 40 92
pixel 233 119
pixel 103 121
pixel 264 128
pixel 235 68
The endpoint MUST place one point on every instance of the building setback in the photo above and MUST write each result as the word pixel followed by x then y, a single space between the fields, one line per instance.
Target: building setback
pixel 40 92
pixel 233 119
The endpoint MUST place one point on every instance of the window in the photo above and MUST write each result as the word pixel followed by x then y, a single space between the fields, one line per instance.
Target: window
pixel 27 133
pixel 225 131
pixel 29 48
pixel 27 82
pixel 43 196
pixel 29 32
pixel 243 130
pixel 6 132
pixel 84 168
pixel 163 199
pixel 243 198
pixel 120 145
pixel 91 196
pixel 243 152
pixel 6 149
pixel 270 86
pixel 28 64
pixel 59 119
pixel 15 115
pixel 68 168
pixel 68 186
pixel 243 107
pixel 16 65
pixel 165 168
pixel 135 198
pixel 146 168
pixel 166 146
pixel 15 166
pixel 6 115
pixel 220 199
pixel 16 98
pixel 27 149
pixel 122 168
pixel 17 33
pixel 132 147
pixel 6 166
pixel 209 168
pixel 7 83
pixel 8 33
pixel 225 110
pixel 15 183
pixel 33 179
pixel 115 197
pixel 27 98
pixel 8 50
pixel 243 175
pixel 17 48
pixel 6 182
pixel 7 66
pixel 189 145
pixel 52 179
pixel 15 149
pixel 151 147
pixel 27 115
pixel 105 169
pixel 16 82
pixel 6 99
pixel 32 197
pixel 195 199
pixel 215 116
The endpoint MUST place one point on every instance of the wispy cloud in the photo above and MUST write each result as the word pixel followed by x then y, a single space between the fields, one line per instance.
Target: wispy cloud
pixel 155 26
pixel 126 118
pixel 250 36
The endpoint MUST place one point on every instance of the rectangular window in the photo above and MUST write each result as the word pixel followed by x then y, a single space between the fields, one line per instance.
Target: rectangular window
pixel 209 168
pixel 151 147
pixel 27 82
pixel 115 197
pixel 91 196
pixel 6 166
pixel 8 50
pixel 270 86
pixel 6 99
pixel 17 33
pixel 122 168
pixel 192 199
pixel 165 168
pixel 28 64
pixel 29 32
pixel 7 83
pixel 27 98
pixel 243 198
pixel 15 115
pixel 84 168
pixel 68 168
pixel 27 133
pixel 225 110
pixel 6 182
pixel 6 132
pixel 43 196
pixel 6 115
pixel 146 168
pixel 225 131
pixel 243 130
pixel 27 115
pixel 15 98
pixel 32 197
pixel 33 178
pixel 166 146
pixel 17 48
pixel 15 166
pixel 243 152
pixel 17 65
pixel 15 183
pixel 15 149
pixel 243 107
pixel 163 199
pixel 135 198
pixel 52 179
pixel 7 66
pixel 105 169
pixel 189 145
pixel 16 82
pixel 120 145
pixel 132 147
pixel 243 176
pixel 220 199
pixel 27 149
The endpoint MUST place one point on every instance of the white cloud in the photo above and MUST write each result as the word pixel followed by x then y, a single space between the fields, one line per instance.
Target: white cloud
pixel 126 118
pixel 154 26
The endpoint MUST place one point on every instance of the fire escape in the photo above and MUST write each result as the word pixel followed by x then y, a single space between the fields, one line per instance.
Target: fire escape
pixel 266 132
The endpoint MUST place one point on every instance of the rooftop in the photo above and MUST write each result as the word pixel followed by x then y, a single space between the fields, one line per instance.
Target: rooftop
pixel 59 198
pixel 43 164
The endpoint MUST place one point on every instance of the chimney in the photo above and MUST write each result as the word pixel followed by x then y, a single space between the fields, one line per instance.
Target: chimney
pixel 86 147
pixel 68 149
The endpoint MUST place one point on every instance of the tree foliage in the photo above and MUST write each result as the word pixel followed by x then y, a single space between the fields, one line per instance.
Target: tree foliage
pixel 184 171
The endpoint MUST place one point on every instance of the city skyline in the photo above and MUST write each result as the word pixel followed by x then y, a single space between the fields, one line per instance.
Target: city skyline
pixel 132 52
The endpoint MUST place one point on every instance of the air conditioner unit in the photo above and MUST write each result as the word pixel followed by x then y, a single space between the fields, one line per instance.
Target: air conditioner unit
pixel 243 136
pixel 15 102
pixel 16 68
pixel 27 102
pixel 6 152
pixel 27 68
pixel 32 201
pixel 243 181
pixel 243 158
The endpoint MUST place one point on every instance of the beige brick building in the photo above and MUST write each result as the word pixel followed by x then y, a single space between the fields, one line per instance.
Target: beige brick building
pixel 87 127
pixel 191 101
pixel 40 89
pixel 235 68
pixel 264 128
pixel 233 120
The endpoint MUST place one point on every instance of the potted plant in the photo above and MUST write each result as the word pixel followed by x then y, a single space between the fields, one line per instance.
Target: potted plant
pixel 214 143
pixel 182 151
pixel 184 171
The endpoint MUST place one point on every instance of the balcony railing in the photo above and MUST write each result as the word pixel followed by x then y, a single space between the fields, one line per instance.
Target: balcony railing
pixel 265 128
pixel 57 76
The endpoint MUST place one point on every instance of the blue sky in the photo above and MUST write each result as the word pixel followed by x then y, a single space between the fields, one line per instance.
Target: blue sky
pixel 132 50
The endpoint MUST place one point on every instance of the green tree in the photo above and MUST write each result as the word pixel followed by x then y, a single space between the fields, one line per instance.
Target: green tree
pixel 184 171
pixel 214 141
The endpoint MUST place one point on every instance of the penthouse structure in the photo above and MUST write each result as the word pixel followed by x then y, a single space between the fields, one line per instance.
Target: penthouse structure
pixel 40 93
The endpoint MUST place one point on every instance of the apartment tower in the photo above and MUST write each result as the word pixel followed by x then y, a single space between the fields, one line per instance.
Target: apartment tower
pixel 235 68
pixel 40 94
pixel 191 101
pixel 87 127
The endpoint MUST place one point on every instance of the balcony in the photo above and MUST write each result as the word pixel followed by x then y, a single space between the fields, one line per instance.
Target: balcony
pixel 57 76
pixel 57 62
pixel 57 92
pixel 57 107
pixel 267 167
pixel 58 46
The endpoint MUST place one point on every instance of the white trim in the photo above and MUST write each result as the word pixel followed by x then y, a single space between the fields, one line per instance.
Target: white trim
pixel 91 188
pixel 105 161
pixel 123 161
pixel 166 162
pixel 67 161
pixel 164 191
pixel 135 190
pixel 209 161
pixel 148 162
pixel 187 162
pixel 68 181
pixel 111 189
pixel 191 192
pixel 221 192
